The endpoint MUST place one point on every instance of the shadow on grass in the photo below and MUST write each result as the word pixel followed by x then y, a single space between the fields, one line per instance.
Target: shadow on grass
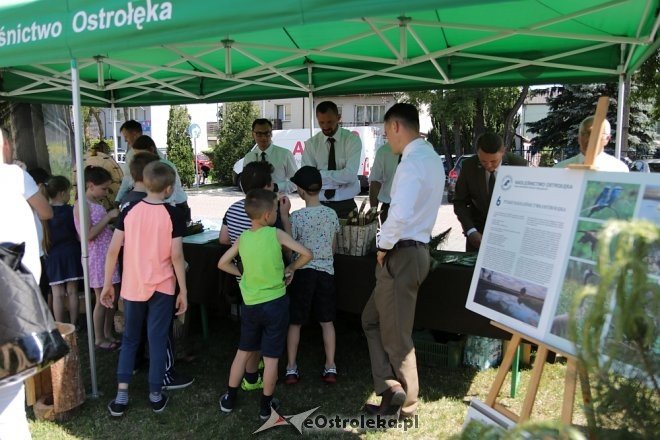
pixel 193 413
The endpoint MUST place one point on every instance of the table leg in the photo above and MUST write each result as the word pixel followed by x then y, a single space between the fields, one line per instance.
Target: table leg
pixel 205 322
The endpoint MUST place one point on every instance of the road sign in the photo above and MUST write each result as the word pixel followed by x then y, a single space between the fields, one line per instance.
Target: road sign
pixel 194 130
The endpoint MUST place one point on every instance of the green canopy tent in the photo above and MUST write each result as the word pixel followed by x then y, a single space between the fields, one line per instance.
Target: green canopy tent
pixel 165 52
pixel 132 52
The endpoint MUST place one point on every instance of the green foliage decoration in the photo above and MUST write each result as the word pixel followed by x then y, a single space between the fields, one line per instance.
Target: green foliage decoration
pixel 618 342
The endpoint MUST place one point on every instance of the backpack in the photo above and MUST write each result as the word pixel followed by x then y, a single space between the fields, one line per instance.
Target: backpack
pixel 29 338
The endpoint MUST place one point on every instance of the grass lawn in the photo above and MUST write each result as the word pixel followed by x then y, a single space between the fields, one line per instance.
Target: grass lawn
pixel 193 413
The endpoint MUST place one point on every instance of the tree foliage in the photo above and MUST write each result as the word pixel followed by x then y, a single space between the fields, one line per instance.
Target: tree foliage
pixel 460 116
pixel 89 113
pixel 234 138
pixel 179 146
pixel 648 80
pixel 570 104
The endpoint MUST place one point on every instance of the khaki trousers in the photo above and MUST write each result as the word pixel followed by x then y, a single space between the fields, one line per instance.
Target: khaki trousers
pixel 387 320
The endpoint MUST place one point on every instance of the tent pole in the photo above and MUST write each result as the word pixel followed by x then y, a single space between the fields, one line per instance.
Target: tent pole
pixel 619 115
pixel 310 86
pixel 82 206
pixel 114 125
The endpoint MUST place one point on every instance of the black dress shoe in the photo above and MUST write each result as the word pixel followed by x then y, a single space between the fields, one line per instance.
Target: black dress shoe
pixel 393 399
pixel 372 409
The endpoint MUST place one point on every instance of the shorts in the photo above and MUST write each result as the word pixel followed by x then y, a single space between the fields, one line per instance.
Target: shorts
pixel 312 289
pixel 264 327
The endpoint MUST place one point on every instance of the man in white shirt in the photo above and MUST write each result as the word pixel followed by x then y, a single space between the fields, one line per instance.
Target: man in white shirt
pixel 284 166
pixel 380 179
pixel 179 198
pixel 131 130
pixel 403 262
pixel 603 162
pixel 335 152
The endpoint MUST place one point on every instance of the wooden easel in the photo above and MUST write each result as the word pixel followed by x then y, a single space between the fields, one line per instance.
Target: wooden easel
pixel 594 148
pixel 570 381
pixel 596 144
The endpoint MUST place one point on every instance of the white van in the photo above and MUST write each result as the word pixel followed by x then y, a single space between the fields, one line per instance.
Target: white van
pixel 294 140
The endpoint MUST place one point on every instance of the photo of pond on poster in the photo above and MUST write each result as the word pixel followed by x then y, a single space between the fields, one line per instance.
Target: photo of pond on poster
pixel 609 200
pixel 513 297
pixel 578 275
pixel 585 242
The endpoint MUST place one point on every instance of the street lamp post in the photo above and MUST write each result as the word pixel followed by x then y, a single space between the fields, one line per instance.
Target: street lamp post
pixel 194 131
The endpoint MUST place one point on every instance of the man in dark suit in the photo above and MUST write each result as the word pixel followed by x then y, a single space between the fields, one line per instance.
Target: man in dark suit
pixel 475 185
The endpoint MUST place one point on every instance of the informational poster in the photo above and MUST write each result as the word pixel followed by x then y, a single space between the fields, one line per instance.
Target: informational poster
pixel 540 242
pixel 487 415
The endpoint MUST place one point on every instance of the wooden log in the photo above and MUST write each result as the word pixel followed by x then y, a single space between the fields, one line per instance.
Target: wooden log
pixel 37 386
pixel 68 390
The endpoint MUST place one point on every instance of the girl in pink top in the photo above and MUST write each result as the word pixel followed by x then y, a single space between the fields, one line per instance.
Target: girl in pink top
pixel 97 181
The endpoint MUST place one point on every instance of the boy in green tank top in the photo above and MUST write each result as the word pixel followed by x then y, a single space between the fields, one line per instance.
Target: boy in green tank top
pixel 265 314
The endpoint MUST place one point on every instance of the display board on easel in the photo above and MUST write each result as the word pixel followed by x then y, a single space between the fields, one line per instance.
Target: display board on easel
pixel 540 241
pixel 539 250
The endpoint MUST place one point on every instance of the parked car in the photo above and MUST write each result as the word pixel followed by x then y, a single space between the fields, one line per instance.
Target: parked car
pixel 452 177
pixel 446 165
pixel 204 162
pixel 646 166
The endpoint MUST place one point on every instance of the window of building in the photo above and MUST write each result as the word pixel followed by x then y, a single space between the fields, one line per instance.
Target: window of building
pixel 283 112
pixel 369 113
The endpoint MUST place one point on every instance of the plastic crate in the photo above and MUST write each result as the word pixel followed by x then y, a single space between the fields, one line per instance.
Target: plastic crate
pixel 437 354
pixel 482 353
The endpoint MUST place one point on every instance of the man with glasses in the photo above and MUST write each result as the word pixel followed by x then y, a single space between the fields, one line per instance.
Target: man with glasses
pixel 284 166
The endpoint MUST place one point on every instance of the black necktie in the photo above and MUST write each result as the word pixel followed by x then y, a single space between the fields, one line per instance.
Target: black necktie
pixel 491 184
pixel 399 160
pixel 332 165
pixel 263 156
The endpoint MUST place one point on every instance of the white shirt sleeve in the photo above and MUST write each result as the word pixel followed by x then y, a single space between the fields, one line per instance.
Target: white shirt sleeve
pixel 250 156
pixel 377 172
pixel 408 182
pixel 30 187
pixel 307 156
pixel 126 185
pixel 290 169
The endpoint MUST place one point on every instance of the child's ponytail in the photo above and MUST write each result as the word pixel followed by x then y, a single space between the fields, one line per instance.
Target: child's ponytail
pixel 97 175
